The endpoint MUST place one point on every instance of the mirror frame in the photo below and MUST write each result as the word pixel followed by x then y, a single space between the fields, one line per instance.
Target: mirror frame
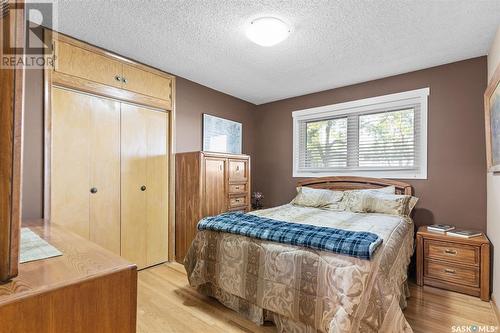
pixel 11 125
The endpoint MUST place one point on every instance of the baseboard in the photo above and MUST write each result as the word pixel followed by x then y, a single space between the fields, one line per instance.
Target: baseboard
pixel 496 310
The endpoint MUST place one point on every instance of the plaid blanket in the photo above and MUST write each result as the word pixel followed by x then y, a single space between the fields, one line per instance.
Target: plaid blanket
pixel 358 244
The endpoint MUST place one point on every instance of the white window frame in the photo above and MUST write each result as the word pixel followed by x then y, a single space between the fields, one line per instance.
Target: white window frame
pixel 391 101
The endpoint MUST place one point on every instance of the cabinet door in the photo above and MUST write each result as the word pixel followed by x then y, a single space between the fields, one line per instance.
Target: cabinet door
pixel 85 182
pixel 215 186
pixel 146 83
pixel 157 187
pixel 75 61
pixel 70 169
pixel 238 170
pixel 144 185
pixel 105 173
pixel 133 175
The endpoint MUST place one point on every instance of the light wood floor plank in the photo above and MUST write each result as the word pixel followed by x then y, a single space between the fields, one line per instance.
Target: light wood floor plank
pixel 166 304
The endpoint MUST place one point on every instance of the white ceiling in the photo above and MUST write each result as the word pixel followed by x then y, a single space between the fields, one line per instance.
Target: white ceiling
pixel 332 44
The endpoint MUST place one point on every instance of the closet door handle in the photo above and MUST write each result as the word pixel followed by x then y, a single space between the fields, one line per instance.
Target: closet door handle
pixel 93 190
pixel 143 188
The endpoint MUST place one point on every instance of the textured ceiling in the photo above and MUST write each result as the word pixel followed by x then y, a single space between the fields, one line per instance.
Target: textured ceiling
pixel 332 44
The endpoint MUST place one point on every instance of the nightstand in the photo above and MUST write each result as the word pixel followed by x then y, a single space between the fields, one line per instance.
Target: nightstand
pixel 454 263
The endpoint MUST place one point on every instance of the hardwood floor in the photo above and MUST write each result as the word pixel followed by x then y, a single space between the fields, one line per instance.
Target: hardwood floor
pixel 167 304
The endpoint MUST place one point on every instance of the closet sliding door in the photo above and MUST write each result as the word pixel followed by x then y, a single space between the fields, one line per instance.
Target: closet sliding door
pixel 105 174
pixel 144 193
pixel 85 174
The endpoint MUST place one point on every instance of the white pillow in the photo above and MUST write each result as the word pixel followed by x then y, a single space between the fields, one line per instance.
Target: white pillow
pixel 343 204
pixel 315 197
pixel 383 203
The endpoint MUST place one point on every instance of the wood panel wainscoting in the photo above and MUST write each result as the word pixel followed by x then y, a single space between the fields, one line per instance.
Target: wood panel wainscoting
pixel 11 118
pixel 109 144
pixel 207 184
pixel 87 289
pixel 454 263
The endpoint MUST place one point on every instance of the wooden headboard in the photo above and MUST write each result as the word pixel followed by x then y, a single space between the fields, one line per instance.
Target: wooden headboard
pixel 343 183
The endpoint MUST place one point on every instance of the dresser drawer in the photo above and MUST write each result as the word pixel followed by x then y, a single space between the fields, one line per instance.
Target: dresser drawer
pixel 238 170
pixel 450 273
pixel 237 201
pixel 237 188
pixel 462 253
pixel 239 209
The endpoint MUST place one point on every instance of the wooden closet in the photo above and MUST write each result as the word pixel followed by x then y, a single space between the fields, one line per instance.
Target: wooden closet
pixel 207 184
pixel 109 144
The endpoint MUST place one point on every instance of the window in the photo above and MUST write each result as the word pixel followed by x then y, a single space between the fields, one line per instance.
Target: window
pixel 383 136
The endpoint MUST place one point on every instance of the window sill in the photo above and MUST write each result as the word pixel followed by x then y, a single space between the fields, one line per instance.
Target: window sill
pixel 392 174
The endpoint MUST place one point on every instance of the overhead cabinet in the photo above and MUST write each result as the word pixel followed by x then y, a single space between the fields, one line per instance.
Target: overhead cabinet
pixel 109 158
pixel 77 61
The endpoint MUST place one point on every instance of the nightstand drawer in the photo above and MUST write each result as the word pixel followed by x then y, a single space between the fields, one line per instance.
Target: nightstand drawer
pixel 451 273
pixel 461 253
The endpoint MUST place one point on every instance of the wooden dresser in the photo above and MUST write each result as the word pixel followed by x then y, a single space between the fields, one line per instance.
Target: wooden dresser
pixel 207 184
pixel 454 263
pixel 87 289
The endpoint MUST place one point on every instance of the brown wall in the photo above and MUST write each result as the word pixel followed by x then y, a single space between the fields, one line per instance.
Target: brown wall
pixel 455 190
pixel 192 101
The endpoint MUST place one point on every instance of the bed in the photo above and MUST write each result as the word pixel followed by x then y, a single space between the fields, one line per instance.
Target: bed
pixel 307 290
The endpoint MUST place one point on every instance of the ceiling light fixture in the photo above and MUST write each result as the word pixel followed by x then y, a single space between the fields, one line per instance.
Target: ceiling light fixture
pixel 267 31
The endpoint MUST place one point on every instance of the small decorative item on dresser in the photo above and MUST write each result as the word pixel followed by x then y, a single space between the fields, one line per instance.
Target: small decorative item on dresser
pixel 257 200
pixel 454 263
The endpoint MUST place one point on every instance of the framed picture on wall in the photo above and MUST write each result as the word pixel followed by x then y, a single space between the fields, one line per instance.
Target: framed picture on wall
pixel 492 118
pixel 221 135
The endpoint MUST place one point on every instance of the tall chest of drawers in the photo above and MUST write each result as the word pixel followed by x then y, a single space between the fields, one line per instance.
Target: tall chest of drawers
pixel 207 184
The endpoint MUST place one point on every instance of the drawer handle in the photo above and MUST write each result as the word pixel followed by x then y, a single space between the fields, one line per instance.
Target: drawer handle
pixel 93 190
pixel 237 187
pixel 452 252
pixel 124 80
pixel 143 188
pixel 450 271
pixel 118 78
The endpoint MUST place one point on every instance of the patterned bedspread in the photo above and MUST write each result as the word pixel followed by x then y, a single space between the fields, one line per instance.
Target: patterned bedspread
pixel 359 244
pixel 306 290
